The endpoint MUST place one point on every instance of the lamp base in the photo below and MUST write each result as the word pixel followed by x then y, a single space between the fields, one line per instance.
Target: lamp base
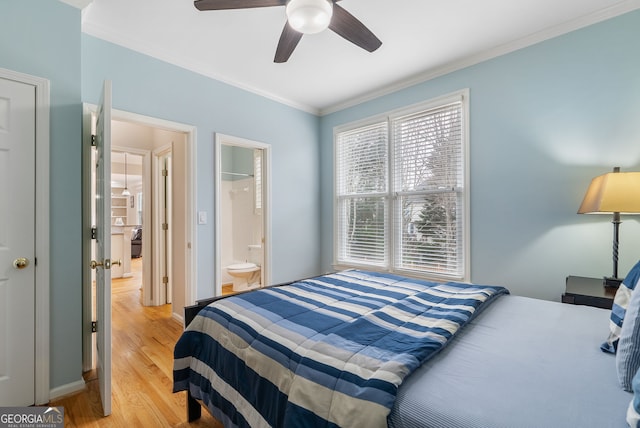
pixel 611 282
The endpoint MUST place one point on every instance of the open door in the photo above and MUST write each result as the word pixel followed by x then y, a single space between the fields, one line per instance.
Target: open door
pixel 102 257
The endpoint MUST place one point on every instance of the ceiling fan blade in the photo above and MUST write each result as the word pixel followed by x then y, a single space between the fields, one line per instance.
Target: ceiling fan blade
pixel 235 4
pixel 349 27
pixel 288 41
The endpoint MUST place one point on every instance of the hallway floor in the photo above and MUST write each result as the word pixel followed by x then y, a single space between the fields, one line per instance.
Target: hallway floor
pixel 142 341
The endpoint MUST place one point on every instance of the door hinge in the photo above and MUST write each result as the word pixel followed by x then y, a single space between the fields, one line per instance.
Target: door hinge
pixel 93 140
pixel 165 226
pixel 94 326
pixel 165 279
pixel 94 233
pixel 165 173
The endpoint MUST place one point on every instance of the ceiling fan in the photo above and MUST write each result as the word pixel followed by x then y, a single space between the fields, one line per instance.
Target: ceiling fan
pixel 305 17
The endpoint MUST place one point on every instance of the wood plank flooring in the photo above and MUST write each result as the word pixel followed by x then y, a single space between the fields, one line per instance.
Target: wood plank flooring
pixel 143 340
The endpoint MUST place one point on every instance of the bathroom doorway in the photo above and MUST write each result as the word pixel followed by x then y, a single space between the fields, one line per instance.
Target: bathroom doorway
pixel 242 214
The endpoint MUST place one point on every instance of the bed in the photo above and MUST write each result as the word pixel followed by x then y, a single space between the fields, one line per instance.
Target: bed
pixel 489 359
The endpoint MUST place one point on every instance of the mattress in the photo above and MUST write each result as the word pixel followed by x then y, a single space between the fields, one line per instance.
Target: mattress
pixel 521 363
pixel 320 351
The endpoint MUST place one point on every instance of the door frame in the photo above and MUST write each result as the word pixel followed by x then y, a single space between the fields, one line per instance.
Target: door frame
pixel 163 247
pixel 191 252
pixel 222 139
pixel 42 229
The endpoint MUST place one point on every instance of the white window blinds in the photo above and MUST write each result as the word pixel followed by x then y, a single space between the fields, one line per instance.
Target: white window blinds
pixel 428 194
pixel 362 158
pixel 257 180
pixel 401 193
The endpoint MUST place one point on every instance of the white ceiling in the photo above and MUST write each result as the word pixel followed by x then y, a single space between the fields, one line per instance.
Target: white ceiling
pixel 421 39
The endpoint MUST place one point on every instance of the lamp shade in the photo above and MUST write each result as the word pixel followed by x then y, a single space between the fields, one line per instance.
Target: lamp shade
pixel 613 192
pixel 309 16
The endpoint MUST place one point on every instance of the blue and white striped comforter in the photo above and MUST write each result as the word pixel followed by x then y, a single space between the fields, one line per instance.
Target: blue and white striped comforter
pixel 328 351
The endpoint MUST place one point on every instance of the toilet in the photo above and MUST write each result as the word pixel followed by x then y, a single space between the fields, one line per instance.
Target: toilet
pixel 247 275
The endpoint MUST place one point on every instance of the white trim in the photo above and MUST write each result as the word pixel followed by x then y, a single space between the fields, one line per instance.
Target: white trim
pixel 530 40
pixel 42 230
pixel 174 58
pixel 219 140
pixel 104 33
pixel 191 290
pixel 43 218
pixel 177 317
pixel 190 256
pixel 158 294
pixel 457 96
pixel 67 389
pixel 190 149
pixel 78 4
pixel 87 281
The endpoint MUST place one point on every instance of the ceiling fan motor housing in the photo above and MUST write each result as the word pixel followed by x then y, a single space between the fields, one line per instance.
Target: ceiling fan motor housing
pixel 309 16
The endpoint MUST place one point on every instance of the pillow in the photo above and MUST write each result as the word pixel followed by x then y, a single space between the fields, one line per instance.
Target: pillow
pixel 628 355
pixel 633 412
pixel 620 303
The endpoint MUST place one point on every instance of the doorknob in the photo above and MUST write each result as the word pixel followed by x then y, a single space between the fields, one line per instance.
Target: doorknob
pixel 20 263
pixel 106 264
pixel 94 264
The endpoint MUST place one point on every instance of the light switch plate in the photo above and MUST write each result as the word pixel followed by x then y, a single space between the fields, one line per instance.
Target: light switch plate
pixel 202 217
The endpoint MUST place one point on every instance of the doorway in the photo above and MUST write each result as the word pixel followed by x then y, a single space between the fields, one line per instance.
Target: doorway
pixel 128 186
pixel 143 225
pixel 242 214
pixel 147 143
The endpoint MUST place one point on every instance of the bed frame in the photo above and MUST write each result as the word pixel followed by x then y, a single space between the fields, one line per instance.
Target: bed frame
pixel 194 409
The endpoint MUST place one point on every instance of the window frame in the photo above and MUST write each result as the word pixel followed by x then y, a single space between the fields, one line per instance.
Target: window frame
pixel 391 235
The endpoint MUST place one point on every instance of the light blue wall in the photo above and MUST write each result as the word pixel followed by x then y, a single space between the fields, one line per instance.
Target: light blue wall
pixel 42 38
pixel 236 159
pixel 154 88
pixel 544 121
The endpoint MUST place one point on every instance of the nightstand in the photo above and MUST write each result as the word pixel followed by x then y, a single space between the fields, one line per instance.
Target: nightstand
pixel 581 290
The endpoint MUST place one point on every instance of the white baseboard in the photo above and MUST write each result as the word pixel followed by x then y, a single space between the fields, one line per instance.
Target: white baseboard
pixel 177 317
pixel 68 389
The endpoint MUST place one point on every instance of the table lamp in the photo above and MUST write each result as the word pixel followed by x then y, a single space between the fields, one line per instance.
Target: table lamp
pixel 613 193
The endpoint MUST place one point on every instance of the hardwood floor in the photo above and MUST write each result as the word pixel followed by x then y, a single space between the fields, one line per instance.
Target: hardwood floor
pixel 227 289
pixel 142 341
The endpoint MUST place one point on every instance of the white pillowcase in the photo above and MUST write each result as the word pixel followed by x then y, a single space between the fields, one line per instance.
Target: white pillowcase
pixel 628 353
pixel 619 309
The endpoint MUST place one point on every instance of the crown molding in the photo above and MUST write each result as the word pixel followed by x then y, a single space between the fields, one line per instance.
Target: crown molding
pixel 530 40
pixel 173 58
pixel 79 4
pixel 104 33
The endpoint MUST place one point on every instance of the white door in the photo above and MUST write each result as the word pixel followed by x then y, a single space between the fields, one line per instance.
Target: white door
pixel 17 247
pixel 102 257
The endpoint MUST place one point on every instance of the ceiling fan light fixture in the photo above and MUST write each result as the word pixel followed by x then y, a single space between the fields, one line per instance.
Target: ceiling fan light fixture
pixel 309 16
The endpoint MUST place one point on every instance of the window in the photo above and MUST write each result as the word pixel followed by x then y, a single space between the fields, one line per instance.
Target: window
pixel 402 193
